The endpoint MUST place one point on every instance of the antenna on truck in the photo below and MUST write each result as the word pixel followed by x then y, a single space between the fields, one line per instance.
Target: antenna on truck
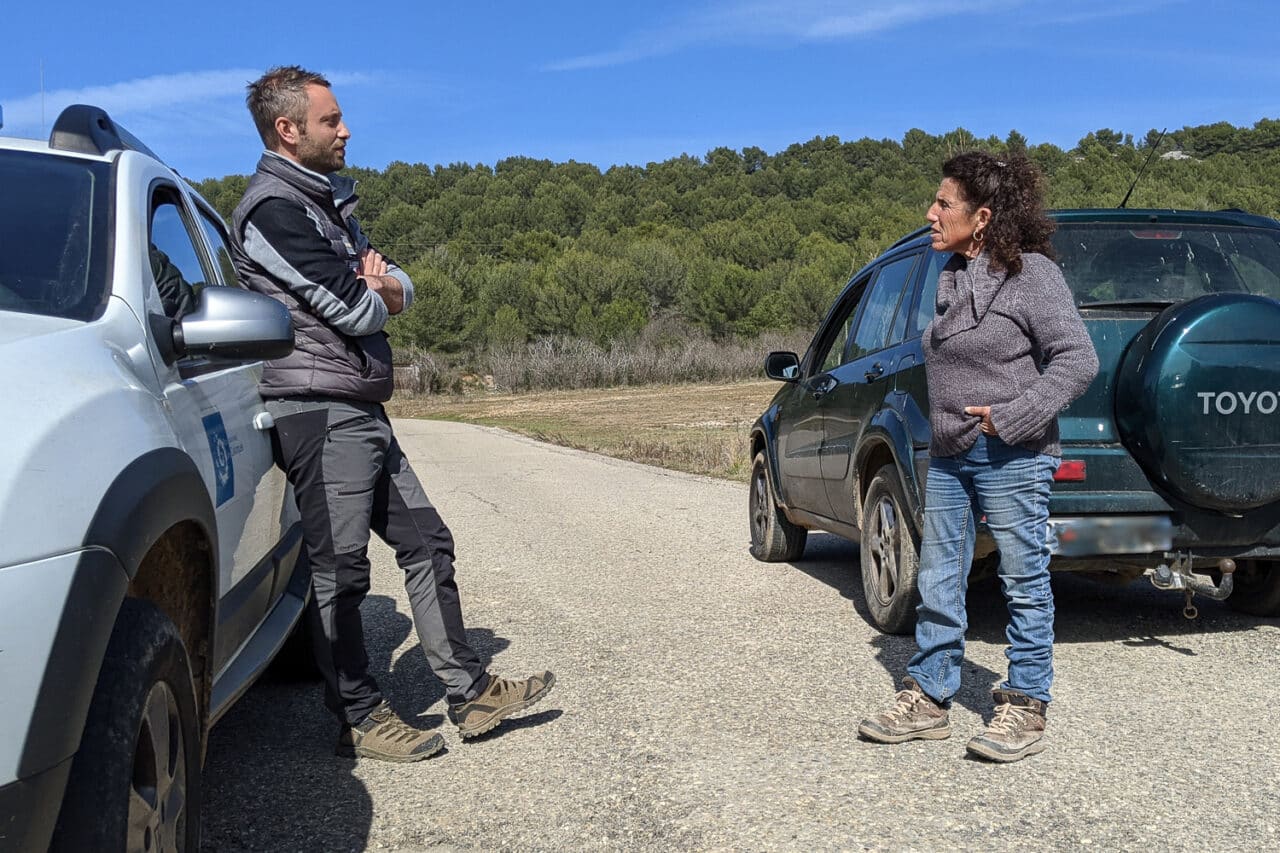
pixel 1138 176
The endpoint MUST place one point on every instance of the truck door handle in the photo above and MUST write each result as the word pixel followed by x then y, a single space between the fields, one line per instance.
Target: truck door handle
pixel 876 371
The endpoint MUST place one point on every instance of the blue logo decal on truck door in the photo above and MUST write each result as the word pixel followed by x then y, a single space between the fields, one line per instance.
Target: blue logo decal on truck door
pixel 224 473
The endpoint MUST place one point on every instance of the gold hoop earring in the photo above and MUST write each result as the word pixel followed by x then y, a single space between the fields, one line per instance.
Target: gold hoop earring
pixel 975 244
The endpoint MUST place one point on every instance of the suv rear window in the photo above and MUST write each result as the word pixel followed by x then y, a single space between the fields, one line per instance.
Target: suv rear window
pixel 1164 262
pixel 53 226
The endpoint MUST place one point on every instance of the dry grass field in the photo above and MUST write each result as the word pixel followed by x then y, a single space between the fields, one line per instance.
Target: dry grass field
pixel 701 429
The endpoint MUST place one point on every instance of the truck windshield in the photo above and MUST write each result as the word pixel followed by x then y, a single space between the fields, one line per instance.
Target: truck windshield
pixel 1166 263
pixel 53 234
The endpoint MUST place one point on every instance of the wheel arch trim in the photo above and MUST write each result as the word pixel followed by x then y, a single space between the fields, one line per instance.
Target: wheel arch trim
pixel 765 431
pixel 887 433
pixel 159 489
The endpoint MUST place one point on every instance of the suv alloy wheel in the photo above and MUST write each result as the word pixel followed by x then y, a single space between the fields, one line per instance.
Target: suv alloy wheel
pixel 890 555
pixel 774 539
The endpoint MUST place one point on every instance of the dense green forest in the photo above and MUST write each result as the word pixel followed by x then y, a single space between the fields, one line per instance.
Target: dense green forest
pixel 734 243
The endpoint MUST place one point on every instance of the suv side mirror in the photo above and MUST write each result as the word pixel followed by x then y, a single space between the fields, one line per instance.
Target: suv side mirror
pixel 783 366
pixel 234 324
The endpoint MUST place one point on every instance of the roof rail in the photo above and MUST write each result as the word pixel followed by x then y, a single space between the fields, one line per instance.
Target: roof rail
pixel 83 129
pixel 919 232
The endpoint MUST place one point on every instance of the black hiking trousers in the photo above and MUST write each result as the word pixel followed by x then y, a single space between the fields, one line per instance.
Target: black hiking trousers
pixel 351 478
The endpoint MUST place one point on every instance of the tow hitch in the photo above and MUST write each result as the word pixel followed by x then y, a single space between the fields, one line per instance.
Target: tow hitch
pixel 1177 575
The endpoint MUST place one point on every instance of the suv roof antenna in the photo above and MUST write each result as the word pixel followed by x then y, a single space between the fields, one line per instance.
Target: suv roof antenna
pixel 1138 176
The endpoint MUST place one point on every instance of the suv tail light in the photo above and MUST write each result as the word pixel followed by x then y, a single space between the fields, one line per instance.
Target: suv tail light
pixel 1070 471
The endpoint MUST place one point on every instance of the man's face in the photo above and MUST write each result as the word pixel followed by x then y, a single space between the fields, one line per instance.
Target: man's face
pixel 322 143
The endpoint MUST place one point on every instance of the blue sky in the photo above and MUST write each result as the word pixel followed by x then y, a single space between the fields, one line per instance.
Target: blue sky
pixel 606 83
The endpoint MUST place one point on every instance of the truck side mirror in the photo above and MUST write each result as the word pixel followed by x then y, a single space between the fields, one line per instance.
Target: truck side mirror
pixel 234 324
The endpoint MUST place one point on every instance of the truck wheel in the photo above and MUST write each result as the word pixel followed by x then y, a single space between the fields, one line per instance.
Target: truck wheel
pixel 1256 588
pixel 774 539
pixel 890 555
pixel 135 781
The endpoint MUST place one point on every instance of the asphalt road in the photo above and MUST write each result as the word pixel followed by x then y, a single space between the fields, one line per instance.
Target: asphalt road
pixel 707 701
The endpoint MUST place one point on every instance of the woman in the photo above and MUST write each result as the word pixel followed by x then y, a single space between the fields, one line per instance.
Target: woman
pixel 1005 353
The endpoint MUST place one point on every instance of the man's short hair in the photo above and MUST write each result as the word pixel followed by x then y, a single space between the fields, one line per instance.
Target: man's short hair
pixel 282 91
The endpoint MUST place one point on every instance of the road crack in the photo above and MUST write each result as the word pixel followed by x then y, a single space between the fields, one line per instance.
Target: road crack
pixel 484 501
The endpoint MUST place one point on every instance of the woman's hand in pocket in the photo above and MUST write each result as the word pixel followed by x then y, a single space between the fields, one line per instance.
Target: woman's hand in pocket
pixel 984 412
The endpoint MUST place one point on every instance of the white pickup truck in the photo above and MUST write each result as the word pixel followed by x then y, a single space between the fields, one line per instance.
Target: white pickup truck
pixel 150 551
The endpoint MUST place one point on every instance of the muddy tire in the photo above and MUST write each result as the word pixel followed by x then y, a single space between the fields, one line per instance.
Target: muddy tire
pixel 1256 588
pixel 774 539
pixel 135 781
pixel 890 555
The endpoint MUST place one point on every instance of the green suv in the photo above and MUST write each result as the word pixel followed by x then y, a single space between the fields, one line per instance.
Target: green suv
pixel 1171 459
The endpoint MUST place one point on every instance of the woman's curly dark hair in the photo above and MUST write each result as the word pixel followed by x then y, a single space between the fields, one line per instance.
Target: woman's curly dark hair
pixel 1013 188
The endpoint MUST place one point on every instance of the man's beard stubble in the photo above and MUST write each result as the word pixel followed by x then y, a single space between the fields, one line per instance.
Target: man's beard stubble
pixel 318 158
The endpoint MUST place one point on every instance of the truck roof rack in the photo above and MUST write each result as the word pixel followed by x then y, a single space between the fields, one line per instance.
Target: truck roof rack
pixel 85 129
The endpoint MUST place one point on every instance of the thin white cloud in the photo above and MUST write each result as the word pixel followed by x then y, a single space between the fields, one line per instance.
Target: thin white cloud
pixel 779 22
pixel 820 20
pixel 1087 12
pixel 787 23
pixel 31 114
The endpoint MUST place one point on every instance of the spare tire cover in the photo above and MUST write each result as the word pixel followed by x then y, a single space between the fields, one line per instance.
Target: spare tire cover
pixel 1198 401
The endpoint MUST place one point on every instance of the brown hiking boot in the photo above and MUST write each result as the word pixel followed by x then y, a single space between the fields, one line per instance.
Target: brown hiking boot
pixel 913 716
pixel 1016 730
pixel 502 698
pixel 386 737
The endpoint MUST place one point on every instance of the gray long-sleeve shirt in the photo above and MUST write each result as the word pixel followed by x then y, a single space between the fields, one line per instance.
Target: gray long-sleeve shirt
pixel 1013 343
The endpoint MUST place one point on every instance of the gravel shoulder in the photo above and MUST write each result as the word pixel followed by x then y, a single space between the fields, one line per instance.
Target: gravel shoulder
pixel 707 701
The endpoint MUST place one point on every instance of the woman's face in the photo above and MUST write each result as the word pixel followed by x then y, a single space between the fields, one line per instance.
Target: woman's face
pixel 951 222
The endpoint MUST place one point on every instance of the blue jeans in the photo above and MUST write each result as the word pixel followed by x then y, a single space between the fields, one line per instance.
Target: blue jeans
pixel 1010 485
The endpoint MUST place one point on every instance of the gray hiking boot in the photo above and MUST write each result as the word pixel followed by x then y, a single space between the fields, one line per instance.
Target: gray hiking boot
pixel 499 700
pixel 386 737
pixel 1016 730
pixel 913 716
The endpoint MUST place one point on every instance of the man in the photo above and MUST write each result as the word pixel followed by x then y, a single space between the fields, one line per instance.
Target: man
pixel 296 240
pixel 176 294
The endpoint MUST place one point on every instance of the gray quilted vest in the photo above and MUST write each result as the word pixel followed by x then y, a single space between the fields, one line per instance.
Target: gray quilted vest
pixel 324 361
